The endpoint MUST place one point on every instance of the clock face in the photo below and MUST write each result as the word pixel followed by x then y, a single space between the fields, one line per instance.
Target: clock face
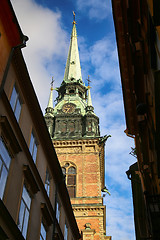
pixel 68 108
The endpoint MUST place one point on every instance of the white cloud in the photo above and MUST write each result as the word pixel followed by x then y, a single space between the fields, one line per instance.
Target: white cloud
pixel 101 59
pixel 47 46
pixel 95 9
pixel 104 59
pixel 119 216
pixel 109 107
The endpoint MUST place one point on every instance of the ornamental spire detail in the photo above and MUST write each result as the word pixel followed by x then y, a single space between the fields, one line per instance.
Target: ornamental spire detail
pixel 49 109
pixel 90 107
pixel 50 101
pixel 89 100
pixel 49 115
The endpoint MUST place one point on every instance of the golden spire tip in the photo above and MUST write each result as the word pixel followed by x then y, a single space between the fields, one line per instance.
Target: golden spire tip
pixel 52 83
pixel 74 21
pixel 88 79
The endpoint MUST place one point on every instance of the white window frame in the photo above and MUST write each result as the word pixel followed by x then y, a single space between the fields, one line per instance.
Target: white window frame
pixel 47 182
pixel 65 169
pixel 43 232
pixel 24 211
pixel 58 210
pixel 65 231
pixel 15 102
pixel 33 147
pixel 5 161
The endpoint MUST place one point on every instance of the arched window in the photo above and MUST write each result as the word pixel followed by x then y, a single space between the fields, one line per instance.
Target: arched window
pixel 71 91
pixel 69 172
pixel 89 126
pixel 64 171
pixel 63 127
pixel 80 94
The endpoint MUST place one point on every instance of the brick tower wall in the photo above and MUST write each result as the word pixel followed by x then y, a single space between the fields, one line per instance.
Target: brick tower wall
pixel 88 158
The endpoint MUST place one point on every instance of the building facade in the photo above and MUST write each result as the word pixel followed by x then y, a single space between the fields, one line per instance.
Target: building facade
pixel 137 26
pixel 74 129
pixel 34 201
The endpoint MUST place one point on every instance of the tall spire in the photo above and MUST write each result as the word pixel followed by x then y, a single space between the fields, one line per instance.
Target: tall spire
pixel 73 68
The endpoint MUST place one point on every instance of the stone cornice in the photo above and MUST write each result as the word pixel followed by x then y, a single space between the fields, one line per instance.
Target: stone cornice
pixel 74 115
pixel 77 146
pixel 86 197
pixel 62 143
pixel 88 208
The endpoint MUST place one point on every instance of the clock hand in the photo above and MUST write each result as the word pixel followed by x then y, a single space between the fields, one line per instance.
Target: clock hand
pixel 67 109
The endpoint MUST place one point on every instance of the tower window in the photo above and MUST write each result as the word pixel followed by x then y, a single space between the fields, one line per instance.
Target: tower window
pixel 71 91
pixel 69 172
pixel 64 171
pixel 89 126
pixel 63 127
pixel 80 94
pixel 71 127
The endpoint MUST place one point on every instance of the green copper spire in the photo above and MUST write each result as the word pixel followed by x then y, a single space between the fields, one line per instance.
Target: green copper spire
pixel 73 68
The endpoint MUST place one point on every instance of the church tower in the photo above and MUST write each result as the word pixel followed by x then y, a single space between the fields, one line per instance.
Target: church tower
pixel 74 129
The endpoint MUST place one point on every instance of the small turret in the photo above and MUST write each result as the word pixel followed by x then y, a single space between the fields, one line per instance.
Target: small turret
pixel 91 120
pixel 89 107
pixel 50 101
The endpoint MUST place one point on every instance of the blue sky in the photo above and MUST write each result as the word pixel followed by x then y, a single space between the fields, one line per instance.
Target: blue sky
pixel 48 25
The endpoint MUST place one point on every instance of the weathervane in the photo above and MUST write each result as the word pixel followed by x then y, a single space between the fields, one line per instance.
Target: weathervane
pixel 74 17
pixel 88 81
pixel 52 83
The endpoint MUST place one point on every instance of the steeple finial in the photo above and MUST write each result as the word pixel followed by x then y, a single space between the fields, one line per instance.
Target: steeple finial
pixel 88 81
pixel 52 83
pixel 74 21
